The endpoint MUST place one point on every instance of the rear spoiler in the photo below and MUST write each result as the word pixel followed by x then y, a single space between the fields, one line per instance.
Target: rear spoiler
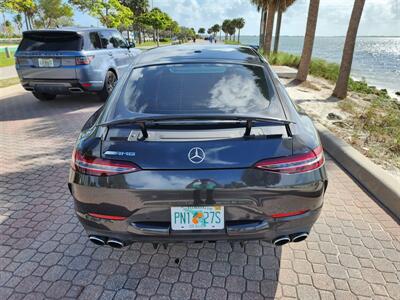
pixel 143 121
pixel 49 33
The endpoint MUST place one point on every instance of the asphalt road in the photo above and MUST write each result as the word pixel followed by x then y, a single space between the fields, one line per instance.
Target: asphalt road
pixel 353 251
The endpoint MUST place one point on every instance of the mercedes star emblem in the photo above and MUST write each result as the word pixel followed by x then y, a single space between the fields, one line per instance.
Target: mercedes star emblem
pixel 196 155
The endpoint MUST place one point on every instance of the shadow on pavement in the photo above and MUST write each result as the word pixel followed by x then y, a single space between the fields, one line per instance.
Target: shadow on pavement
pixel 25 106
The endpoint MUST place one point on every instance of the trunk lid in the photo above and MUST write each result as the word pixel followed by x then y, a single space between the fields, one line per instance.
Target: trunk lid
pixel 219 148
pixel 48 54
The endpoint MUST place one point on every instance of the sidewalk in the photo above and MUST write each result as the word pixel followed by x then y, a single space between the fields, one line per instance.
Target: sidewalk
pixel 8 72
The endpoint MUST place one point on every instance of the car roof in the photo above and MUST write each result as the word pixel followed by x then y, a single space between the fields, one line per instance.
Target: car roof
pixel 196 53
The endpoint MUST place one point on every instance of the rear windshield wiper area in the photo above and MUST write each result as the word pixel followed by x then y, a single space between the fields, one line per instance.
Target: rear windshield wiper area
pixel 188 122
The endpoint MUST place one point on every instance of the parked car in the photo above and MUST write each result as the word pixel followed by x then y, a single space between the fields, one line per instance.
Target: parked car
pixel 51 62
pixel 198 143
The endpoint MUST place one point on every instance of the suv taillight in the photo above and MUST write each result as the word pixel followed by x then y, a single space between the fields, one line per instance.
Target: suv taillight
pixel 100 167
pixel 294 164
pixel 84 60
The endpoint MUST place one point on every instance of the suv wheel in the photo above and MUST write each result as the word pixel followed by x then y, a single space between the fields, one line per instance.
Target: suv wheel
pixel 44 96
pixel 109 84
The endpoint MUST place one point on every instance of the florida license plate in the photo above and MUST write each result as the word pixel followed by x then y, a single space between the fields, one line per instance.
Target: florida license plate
pixel 46 62
pixel 197 217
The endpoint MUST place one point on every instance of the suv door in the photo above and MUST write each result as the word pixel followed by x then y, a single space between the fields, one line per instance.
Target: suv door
pixel 118 50
pixel 95 72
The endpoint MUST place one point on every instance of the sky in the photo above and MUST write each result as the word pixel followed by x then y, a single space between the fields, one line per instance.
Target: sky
pixel 380 17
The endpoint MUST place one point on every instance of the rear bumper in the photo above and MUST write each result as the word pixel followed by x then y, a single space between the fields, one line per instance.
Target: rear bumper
pixel 284 227
pixel 60 86
pixel 249 196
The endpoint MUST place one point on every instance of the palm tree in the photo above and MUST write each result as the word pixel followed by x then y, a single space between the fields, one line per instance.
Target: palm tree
pixel 282 6
pixel 270 6
pixel 239 23
pixel 340 90
pixel 305 60
pixel 263 19
pixel 232 29
pixel 225 27
pixel 215 29
pixel 261 6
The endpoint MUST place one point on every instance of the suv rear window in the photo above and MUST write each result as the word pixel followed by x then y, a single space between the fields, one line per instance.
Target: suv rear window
pixel 51 41
pixel 195 88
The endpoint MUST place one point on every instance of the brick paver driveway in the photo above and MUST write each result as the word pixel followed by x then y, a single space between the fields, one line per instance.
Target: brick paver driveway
pixel 353 251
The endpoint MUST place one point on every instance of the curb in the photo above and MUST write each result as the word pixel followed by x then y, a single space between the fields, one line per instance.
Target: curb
pixel 376 180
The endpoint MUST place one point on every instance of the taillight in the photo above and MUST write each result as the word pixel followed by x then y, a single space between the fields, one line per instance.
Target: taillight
pixel 86 84
pixel 294 164
pixel 289 214
pixel 101 167
pixel 84 60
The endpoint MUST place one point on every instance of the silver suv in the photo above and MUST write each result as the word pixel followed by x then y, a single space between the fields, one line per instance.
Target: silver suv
pixel 72 60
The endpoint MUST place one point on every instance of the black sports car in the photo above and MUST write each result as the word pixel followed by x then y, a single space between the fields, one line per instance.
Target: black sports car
pixel 198 143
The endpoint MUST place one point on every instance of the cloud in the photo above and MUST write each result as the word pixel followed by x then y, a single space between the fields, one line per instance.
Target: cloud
pixel 380 17
pixel 205 13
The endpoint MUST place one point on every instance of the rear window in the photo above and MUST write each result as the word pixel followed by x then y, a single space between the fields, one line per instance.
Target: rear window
pixel 51 41
pixel 195 88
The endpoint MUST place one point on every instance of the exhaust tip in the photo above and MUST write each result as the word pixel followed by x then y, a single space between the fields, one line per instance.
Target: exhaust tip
pixel 298 237
pixel 281 241
pixel 75 90
pixel 100 241
pixel 115 243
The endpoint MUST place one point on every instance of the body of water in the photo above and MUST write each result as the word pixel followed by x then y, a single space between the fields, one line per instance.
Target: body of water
pixel 376 59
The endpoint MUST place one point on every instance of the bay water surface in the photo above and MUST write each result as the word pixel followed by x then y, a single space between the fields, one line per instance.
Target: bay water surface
pixel 376 59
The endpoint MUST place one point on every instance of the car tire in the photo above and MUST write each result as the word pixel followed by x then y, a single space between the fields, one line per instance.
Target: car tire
pixel 109 84
pixel 44 96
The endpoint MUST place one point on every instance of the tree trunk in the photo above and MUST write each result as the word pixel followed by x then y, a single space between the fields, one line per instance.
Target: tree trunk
pixel 270 28
pixel 262 27
pixel 140 36
pixel 340 90
pixel 158 37
pixel 308 41
pixel 26 21
pixel 239 36
pixel 278 31
pixel 30 22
